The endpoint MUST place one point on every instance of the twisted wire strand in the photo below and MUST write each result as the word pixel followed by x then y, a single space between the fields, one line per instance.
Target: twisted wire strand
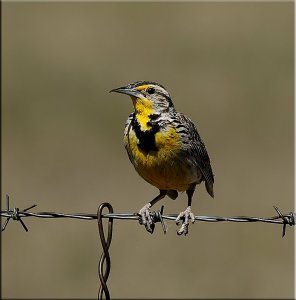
pixel 105 261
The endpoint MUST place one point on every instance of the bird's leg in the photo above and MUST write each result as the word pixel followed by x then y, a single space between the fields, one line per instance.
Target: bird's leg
pixel 145 218
pixel 186 215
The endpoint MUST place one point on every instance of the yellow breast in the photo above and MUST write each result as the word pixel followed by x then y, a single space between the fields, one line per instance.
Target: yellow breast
pixel 164 168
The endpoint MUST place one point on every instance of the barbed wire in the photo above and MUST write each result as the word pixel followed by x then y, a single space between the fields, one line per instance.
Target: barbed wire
pixel 157 216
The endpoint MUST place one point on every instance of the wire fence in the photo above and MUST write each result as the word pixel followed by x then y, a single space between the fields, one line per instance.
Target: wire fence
pixel 157 216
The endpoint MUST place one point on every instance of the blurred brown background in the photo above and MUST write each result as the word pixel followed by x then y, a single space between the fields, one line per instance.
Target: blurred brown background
pixel 229 66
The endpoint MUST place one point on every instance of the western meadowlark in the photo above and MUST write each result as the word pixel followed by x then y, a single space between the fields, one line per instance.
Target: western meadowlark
pixel 165 149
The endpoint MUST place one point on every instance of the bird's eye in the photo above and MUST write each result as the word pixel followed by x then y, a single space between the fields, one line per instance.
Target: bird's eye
pixel 150 90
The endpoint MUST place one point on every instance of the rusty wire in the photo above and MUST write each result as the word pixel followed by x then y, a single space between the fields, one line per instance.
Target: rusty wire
pixel 157 216
pixel 105 261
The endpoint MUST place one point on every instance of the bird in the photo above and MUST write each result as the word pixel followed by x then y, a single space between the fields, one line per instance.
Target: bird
pixel 165 149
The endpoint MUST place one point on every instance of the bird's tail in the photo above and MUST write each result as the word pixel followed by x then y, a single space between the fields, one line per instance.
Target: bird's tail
pixel 210 188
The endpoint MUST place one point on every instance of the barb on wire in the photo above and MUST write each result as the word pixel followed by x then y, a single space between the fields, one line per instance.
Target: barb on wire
pixel 14 214
pixel 290 219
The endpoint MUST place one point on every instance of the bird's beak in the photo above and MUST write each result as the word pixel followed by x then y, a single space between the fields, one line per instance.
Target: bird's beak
pixel 126 90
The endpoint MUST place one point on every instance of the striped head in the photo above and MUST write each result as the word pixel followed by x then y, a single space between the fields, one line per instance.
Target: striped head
pixel 147 96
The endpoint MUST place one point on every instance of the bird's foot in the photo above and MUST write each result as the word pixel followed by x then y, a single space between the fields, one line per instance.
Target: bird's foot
pixel 145 218
pixel 185 216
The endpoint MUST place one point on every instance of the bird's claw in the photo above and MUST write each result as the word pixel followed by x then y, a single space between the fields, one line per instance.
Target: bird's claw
pixel 145 218
pixel 185 216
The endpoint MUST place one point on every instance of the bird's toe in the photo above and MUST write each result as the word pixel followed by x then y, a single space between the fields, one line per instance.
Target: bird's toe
pixel 145 218
pixel 185 217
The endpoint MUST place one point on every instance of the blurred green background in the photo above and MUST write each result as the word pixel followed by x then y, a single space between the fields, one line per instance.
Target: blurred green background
pixel 229 66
